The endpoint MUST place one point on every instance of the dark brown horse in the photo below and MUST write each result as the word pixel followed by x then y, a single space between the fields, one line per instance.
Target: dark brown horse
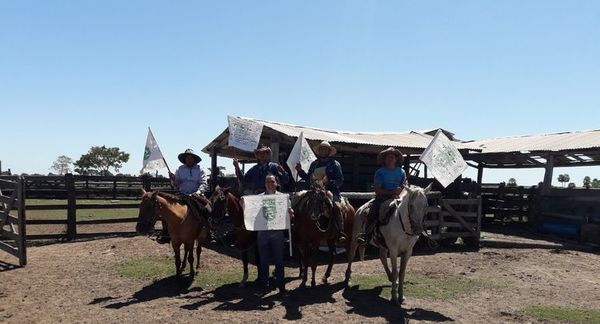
pixel 226 204
pixel 314 222
pixel 186 224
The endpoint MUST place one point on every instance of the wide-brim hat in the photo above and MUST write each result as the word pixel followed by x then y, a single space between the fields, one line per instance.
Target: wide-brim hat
pixel 390 150
pixel 262 148
pixel 181 156
pixel 326 144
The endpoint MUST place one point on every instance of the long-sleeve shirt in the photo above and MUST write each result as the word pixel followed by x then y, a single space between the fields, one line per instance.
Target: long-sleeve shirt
pixel 254 179
pixel 191 179
pixel 333 171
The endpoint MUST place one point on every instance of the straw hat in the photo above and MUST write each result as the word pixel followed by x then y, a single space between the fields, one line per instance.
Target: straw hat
pixel 262 148
pixel 326 144
pixel 189 151
pixel 390 150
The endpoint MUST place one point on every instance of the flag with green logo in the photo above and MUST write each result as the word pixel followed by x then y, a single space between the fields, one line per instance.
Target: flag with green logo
pixel 153 158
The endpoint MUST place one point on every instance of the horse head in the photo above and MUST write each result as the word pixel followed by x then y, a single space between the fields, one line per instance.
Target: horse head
pixel 320 201
pixel 416 207
pixel 218 200
pixel 149 212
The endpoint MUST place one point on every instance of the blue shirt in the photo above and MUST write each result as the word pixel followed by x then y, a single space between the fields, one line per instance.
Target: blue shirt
pixel 333 171
pixel 254 179
pixel 389 180
pixel 191 179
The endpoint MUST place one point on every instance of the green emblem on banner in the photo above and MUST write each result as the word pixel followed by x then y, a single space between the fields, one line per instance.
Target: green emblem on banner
pixel 269 209
pixel 146 153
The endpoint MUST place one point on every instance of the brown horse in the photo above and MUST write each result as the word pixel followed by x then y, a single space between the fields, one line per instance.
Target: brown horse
pixel 314 222
pixel 226 204
pixel 185 224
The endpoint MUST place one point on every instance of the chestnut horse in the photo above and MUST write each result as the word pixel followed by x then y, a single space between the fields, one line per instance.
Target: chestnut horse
pixel 400 235
pixel 226 204
pixel 185 224
pixel 314 222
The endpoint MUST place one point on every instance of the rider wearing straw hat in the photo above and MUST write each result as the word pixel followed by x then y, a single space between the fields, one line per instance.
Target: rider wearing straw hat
pixel 189 179
pixel 328 169
pixel 254 180
pixel 388 183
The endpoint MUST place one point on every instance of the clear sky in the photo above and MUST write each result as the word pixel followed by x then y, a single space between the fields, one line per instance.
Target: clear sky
pixel 75 74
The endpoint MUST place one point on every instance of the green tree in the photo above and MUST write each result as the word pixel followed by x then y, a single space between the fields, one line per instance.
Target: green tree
pixel 587 182
pixel 100 159
pixel 62 165
pixel 512 182
pixel 595 183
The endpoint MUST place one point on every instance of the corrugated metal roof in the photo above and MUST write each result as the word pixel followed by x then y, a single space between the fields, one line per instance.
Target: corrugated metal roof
pixel 410 139
pixel 533 143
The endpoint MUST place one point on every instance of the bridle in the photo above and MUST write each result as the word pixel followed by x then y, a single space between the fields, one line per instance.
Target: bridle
pixel 156 207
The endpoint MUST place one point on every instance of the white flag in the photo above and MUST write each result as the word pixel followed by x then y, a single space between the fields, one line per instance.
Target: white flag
pixel 443 159
pixel 153 158
pixel 266 212
pixel 301 153
pixel 244 134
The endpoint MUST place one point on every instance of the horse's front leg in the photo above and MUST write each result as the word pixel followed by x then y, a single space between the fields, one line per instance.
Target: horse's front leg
pixel 351 254
pixel 189 250
pixel 332 251
pixel 383 256
pixel 305 255
pixel 177 250
pixel 245 264
pixel 403 263
pixel 200 241
pixel 314 250
pixel 394 262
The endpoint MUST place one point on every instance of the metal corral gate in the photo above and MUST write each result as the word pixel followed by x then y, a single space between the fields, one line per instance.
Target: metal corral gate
pixel 12 218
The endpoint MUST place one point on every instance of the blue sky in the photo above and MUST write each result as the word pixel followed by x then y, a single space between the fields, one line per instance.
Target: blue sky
pixel 74 74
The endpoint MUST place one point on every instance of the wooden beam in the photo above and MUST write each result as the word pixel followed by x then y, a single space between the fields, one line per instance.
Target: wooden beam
pixel 548 174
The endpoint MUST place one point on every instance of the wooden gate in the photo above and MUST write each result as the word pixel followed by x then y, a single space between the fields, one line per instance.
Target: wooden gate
pixel 453 218
pixel 12 218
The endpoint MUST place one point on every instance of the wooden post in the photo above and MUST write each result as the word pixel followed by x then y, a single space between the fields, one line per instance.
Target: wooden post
pixel 407 165
pixel 548 174
pixel 356 172
pixel 71 207
pixel 22 231
pixel 274 150
pixel 115 189
pixel 214 174
pixel 479 178
pixel 424 171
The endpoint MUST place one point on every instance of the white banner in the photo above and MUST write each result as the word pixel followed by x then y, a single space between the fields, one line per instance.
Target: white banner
pixel 443 159
pixel 244 134
pixel 153 158
pixel 266 212
pixel 301 153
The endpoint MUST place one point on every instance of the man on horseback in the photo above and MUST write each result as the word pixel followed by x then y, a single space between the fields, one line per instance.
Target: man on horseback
pixel 328 170
pixel 388 182
pixel 254 180
pixel 189 179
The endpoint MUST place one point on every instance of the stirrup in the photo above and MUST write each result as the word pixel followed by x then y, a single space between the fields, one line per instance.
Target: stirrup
pixel 163 239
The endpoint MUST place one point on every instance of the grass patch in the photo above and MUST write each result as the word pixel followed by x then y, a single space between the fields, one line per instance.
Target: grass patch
pixel 154 268
pixel 422 287
pixel 82 214
pixel 563 314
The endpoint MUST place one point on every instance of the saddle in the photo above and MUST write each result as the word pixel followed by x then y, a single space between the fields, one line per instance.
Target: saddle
pixel 199 206
pixel 299 200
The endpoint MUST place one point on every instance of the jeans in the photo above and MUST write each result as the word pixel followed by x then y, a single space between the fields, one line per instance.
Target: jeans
pixel 270 245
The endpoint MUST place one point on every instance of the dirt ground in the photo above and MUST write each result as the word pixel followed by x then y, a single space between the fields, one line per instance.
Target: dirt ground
pixel 78 283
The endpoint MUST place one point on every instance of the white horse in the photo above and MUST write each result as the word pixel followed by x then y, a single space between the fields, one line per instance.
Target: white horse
pixel 400 235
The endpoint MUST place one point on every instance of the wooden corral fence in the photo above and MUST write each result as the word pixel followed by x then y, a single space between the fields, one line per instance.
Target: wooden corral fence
pixel 12 218
pixel 446 219
pixel 506 203
pixel 123 191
